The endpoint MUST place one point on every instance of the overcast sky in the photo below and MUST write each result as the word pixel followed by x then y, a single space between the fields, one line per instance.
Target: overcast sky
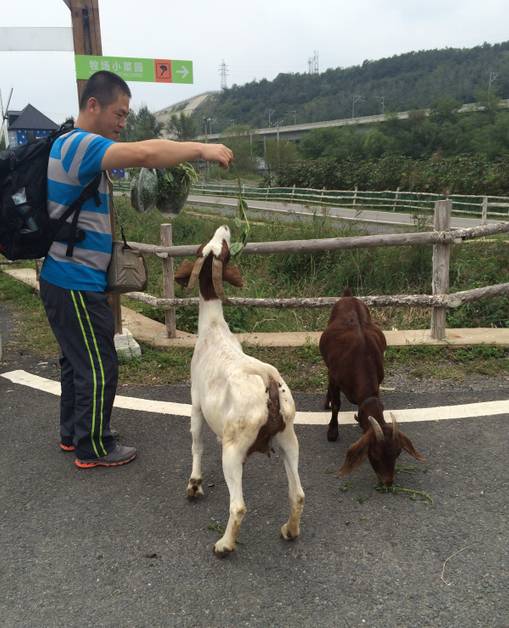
pixel 257 39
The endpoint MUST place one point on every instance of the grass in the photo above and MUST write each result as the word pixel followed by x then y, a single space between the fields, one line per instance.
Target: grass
pixel 371 271
pixel 412 493
pixel 388 270
pixel 31 331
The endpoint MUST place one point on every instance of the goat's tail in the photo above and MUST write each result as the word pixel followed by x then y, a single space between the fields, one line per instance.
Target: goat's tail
pixel 347 292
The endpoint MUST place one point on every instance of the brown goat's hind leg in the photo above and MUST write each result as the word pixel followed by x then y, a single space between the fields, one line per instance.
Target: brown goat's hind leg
pixel 326 405
pixel 332 431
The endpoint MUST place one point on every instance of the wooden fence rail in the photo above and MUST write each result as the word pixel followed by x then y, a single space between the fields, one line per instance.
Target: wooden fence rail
pixel 411 300
pixel 331 244
pixel 442 239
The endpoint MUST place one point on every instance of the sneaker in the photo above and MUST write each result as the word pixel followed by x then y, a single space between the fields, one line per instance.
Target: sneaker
pixel 66 447
pixel 70 447
pixel 119 456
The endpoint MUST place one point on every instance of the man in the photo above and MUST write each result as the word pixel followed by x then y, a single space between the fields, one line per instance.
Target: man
pixel 73 288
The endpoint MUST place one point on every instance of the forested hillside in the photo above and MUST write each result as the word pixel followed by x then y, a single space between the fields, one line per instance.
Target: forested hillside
pixel 408 81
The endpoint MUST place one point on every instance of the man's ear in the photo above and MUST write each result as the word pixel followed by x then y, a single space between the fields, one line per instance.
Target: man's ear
pixel 355 454
pixel 183 273
pixel 232 275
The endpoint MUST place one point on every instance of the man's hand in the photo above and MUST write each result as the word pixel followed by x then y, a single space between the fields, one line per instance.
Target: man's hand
pixel 217 152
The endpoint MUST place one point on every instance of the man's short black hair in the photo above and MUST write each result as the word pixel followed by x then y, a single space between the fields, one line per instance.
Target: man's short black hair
pixel 105 87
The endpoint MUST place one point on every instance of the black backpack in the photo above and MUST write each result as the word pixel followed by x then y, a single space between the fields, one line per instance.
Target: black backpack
pixel 26 230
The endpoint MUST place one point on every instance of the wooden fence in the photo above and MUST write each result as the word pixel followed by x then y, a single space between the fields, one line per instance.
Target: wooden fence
pixel 442 239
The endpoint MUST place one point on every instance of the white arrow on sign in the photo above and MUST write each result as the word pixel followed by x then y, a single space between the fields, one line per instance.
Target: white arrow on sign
pixel 183 72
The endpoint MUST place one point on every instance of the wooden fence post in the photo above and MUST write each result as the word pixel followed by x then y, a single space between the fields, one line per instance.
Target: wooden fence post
pixel 168 279
pixel 396 196
pixel 484 210
pixel 440 278
pixel 355 197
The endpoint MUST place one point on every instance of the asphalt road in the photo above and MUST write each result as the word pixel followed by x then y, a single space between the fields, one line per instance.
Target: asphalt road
pixel 124 547
pixel 374 221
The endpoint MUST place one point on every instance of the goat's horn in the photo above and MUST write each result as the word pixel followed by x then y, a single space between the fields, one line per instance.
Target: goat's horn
pixel 217 278
pixel 376 428
pixel 395 426
pixel 195 272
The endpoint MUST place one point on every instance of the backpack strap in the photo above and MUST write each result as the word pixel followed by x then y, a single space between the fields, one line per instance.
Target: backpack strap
pixel 91 190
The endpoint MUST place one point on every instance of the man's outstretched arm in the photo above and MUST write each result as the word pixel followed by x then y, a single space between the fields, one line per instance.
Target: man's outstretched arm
pixel 163 154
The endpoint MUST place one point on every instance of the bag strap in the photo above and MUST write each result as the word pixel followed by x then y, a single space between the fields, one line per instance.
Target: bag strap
pixel 91 190
pixel 117 215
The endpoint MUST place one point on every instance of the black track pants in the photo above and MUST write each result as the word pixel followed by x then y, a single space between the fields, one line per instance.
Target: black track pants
pixel 83 325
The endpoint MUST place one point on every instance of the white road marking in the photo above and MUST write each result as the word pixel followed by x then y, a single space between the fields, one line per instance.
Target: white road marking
pixel 407 415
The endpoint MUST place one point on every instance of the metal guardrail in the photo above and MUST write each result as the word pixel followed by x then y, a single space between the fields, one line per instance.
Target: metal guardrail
pixel 481 206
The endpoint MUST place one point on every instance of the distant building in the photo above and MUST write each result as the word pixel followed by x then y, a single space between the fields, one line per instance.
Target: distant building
pixel 27 125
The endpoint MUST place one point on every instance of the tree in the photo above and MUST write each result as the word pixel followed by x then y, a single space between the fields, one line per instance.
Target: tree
pixel 238 139
pixel 141 126
pixel 280 154
pixel 184 127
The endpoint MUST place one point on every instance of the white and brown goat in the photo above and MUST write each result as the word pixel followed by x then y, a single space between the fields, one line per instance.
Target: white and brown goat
pixel 245 401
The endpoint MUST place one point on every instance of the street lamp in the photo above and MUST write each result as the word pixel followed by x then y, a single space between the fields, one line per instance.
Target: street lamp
pixel 355 99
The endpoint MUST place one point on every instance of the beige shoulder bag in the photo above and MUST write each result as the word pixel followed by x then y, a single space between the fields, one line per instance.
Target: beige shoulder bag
pixel 127 271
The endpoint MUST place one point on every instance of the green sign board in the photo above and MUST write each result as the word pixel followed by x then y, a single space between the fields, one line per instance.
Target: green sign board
pixel 134 69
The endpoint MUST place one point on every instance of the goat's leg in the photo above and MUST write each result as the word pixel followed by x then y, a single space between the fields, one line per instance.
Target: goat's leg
pixel 326 404
pixel 287 441
pixel 233 460
pixel 194 487
pixel 335 397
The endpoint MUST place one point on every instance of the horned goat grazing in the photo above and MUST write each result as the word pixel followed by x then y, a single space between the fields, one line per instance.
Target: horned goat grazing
pixel 245 401
pixel 353 349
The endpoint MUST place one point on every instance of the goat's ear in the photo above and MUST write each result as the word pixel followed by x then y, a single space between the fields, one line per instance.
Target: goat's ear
pixel 183 273
pixel 407 445
pixel 356 454
pixel 232 276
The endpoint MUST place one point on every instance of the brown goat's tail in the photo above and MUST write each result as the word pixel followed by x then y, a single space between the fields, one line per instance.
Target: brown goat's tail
pixel 347 292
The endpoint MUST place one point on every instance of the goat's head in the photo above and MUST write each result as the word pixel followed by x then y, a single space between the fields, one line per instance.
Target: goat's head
pixel 381 444
pixel 210 267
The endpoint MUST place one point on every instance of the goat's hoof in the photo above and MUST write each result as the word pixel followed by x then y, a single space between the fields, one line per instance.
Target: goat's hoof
pixel 332 436
pixel 287 534
pixel 221 550
pixel 194 488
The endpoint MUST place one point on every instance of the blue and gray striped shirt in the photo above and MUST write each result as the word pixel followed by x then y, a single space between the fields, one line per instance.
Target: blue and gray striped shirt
pixel 75 160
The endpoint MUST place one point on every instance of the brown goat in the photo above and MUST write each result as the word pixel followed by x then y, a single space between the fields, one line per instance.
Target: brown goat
pixel 353 348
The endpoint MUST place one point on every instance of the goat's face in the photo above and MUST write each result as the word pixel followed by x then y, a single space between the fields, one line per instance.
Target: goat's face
pixel 381 444
pixel 211 266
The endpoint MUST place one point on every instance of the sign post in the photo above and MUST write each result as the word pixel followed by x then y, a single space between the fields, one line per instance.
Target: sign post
pixel 89 59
